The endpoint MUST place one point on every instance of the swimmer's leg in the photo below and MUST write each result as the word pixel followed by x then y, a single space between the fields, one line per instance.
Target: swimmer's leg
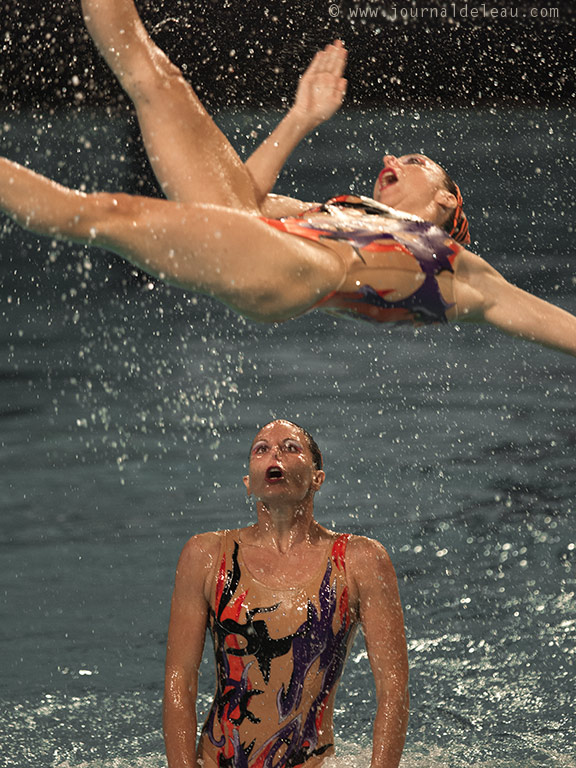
pixel 230 254
pixel 192 159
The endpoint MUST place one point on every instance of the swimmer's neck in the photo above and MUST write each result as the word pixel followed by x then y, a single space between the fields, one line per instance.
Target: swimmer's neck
pixel 430 212
pixel 284 527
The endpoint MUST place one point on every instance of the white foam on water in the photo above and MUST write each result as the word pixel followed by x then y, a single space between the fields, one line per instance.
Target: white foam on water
pixel 151 761
pixel 350 756
pixel 422 756
pixel 57 722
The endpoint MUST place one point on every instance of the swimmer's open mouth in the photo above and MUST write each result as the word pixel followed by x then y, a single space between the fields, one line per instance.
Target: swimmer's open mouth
pixel 274 473
pixel 387 177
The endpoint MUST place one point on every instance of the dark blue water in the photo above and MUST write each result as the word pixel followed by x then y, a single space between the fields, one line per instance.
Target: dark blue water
pixel 126 412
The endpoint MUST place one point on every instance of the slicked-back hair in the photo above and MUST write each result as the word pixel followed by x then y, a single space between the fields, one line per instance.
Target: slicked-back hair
pixel 312 444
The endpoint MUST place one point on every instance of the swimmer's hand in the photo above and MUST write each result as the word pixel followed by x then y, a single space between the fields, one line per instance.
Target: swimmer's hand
pixel 322 88
pixel 320 94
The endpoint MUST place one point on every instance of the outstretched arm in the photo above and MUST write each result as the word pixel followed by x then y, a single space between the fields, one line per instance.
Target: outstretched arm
pixel 484 295
pixel 383 626
pixel 319 95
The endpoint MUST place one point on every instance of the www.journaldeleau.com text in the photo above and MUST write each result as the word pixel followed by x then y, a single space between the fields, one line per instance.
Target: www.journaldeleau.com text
pixel 393 12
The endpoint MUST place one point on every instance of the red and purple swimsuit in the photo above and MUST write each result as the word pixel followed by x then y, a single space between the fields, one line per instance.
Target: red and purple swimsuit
pixel 427 244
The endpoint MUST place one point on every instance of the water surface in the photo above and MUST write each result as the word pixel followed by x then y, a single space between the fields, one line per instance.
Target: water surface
pixel 126 412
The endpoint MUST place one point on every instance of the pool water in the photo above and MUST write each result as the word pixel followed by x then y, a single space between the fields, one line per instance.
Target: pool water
pixel 126 412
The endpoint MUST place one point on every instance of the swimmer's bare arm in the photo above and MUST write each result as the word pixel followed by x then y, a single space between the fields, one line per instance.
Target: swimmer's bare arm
pixel 483 295
pixel 188 619
pixel 320 93
pixel 376 585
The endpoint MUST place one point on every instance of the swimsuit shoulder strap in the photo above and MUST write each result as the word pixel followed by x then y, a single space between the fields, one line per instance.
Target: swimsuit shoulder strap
pixel 231 543
pixel 228 572
pixel 338 554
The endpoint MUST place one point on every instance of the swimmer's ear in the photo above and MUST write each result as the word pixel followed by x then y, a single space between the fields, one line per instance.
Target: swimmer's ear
pixel 446 199
pixel 246 480
pixel 318 479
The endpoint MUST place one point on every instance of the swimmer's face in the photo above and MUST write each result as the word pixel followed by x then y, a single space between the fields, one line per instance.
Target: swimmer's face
pixel 414 184
pixel 282 469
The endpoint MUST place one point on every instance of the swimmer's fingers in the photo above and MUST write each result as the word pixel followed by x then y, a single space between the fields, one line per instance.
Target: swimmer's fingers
pixel 315 65
pixel 322 88
pixel 335 56
pixel 332 59
pixel 333 63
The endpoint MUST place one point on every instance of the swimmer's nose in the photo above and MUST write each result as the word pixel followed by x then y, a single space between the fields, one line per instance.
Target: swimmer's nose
pixel 389 160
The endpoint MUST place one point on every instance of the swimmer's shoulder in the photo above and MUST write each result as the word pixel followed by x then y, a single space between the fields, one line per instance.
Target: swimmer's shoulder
pixel 366 561
pixel 363 546
pixel 205 547
pixel 199 559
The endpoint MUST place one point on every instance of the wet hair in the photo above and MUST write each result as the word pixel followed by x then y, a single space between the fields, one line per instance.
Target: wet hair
pixel 312 444
pixel 456 223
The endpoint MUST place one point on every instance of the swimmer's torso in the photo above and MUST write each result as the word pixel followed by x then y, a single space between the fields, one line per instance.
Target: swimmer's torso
pixel 403 267
pixel 279 657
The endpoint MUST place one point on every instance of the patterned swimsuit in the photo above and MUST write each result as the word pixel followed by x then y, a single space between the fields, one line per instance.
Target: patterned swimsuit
pixel 279 657
pixel 416 240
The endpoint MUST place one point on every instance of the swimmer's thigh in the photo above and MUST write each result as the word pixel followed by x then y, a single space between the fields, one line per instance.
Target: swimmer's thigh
pixel 262 273
pixel 192 159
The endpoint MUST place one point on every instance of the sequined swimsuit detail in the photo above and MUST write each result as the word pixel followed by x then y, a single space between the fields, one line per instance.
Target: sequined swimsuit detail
pixel 279 657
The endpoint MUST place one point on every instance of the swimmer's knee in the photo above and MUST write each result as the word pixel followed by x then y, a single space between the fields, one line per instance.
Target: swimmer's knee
pixel 153 77
pixel 102 215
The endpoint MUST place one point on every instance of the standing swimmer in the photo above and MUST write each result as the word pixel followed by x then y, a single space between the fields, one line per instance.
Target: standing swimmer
pixel 399 257
pixel 282 599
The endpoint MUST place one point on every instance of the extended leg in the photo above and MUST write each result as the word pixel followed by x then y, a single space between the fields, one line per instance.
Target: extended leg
pixel 192 159
pixel 227 253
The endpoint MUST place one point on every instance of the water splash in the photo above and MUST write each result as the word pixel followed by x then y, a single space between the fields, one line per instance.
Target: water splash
pixel 353 757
